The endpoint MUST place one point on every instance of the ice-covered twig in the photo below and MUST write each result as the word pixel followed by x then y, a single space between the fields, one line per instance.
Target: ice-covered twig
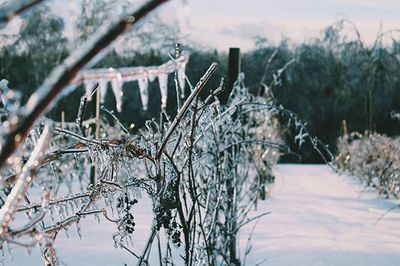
pixel 54 202
pixel 130 251
pixel 24 180
pixel 214 93
pixel 50 157
pixel 385 213
pixel 264 76
pixel 264 143
pixel 82 109
pixel 111 113
pixel 78 137
pixel 70 220
pixel 29 244
pixel 248 244
pixel 148 245
pixel 35 220
pixel 249 220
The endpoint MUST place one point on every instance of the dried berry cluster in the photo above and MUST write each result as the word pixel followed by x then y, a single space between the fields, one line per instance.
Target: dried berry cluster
pixel 164 219
pixel 126 224
pixel 174 233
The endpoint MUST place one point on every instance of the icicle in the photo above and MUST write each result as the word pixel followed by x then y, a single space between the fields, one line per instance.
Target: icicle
pixel 103 89
pixel 66 209
pixel 68 183
pixel 111 207
pixel 116 85
pixel 115 241
pixel 71 204
pixel 2 257
pixel 97 216
pixel 106 201
pixel 144 94
pixel 182 80
pixel 78 230
pixel 163 82
pixel 60 211
pixel 29 250
pixel 52 214
pixel 152 77
pixel 10 252
pixel 66 232
pixel 88 88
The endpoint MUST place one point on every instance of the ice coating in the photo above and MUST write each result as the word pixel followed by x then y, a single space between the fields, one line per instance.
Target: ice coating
pixel 88 88
pixel 163 82
pixel 116 85
pixel 118 76
pixel 182 80
pixel 103 89
pixel 144 94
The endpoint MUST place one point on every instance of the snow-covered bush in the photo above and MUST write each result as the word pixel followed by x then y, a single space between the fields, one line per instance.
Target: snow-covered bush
pixel 373 157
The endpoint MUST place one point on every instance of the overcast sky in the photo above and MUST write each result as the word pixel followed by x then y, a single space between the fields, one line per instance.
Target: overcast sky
pixel 225 23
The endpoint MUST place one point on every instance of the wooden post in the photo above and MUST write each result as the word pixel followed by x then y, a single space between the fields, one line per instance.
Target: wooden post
pixel 96 111
pixel 97 133
pixel 233 73
pixel 62 119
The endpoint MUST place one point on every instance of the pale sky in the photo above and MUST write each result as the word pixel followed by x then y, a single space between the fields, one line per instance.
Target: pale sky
pixel 226 23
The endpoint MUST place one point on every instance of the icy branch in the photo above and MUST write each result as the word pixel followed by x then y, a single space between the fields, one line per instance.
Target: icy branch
pixel 24 181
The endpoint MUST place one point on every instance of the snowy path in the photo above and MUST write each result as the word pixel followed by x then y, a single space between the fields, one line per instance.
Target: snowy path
pixel 320 218
pixel 317 218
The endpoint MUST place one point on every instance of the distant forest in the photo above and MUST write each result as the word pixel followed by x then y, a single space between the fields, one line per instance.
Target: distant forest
pixel 335 76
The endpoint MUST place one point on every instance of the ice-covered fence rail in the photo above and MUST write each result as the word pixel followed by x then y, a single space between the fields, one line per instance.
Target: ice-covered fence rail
pixel 140 73
pixel 62 75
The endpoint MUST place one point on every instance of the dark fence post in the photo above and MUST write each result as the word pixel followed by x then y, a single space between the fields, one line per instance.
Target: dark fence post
pixel 96 112
pixel 233 73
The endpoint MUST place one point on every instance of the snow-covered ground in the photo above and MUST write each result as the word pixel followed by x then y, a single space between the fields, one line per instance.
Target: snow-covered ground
pixel 317 218
pixel 320 218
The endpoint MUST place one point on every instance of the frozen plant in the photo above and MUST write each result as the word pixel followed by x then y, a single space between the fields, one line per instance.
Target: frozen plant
pixel 373 157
